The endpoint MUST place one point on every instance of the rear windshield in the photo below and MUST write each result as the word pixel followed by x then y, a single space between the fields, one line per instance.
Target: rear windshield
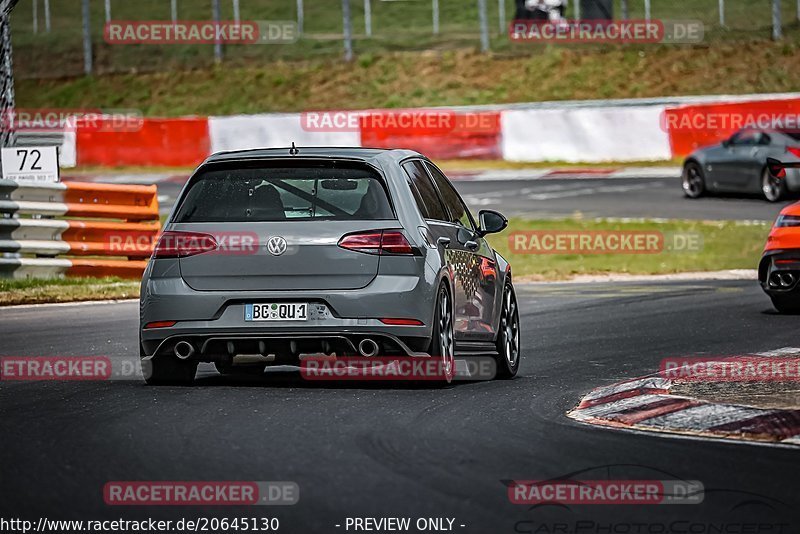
pixel 280 194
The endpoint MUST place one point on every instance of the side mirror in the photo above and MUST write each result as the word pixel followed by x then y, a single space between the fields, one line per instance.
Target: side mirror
pixel 491 222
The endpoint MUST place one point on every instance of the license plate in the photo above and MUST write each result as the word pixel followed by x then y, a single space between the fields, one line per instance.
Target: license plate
pixel 276 311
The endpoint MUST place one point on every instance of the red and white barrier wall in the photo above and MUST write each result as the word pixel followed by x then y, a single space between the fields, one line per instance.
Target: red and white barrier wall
pixel 629 133
pixel 597 131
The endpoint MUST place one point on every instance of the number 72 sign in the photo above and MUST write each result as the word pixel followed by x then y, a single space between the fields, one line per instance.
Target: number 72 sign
pixel 31 164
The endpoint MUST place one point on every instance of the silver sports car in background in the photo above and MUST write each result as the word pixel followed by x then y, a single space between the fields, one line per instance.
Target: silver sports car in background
pixel 739 165
pixel 273 254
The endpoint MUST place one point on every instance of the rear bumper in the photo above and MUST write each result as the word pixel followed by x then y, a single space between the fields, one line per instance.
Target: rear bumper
pixel 220 346
pixel 779 272
pixel 793 179
pixel 337 319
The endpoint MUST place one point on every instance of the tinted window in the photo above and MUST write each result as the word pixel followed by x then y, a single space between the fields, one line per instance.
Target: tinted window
pixel 423 209
pixel 746 138
pixel 427 199
pixel 278 194
pixel 460 213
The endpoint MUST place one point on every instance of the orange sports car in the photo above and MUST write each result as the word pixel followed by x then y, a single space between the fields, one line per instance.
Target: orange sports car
pixel 779 268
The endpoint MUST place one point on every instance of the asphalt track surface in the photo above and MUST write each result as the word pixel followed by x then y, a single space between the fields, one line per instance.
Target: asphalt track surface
pixel 359 451
pixel 591 197
pixel 617 197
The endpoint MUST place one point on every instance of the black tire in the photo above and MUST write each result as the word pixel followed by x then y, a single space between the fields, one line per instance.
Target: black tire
pixel 786 304
pixel 167 370
pixel 773 189
pixel 693 180
pixel 508 336
pixel 442 344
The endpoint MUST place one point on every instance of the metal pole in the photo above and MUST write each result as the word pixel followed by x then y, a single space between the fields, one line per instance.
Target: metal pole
pixel 777 31
pixel 577 13
pixel 484 25
pixel 173 9
pixel 35 16
pixel 47 15
pixel 501 15
pixel 217 45
pixel 108 10
pixel 435 5
pixel 368 18
pixel 87 40
pixel 647 10
pixel 299 17
pixel 624 9
pixel 722 12
pixel 348 31
pixel 236 11
pixel 798 9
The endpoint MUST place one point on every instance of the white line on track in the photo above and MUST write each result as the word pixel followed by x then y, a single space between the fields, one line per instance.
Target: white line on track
pixel 65 304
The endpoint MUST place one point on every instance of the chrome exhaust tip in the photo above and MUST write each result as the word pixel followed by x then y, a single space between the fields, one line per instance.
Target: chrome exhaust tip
pixel 786 279
pixel 367 348
pixel 183 350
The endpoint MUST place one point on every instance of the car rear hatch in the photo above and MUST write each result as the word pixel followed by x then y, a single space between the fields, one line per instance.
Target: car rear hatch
pixel 311 260
pixel 277 227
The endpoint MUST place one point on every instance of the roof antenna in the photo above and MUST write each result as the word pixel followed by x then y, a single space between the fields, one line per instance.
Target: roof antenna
pixel 294 150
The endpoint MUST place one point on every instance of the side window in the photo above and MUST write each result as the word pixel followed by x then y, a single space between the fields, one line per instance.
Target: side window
pixel 424 193
pixel 458 210
pixel 746 137
pixel 423 209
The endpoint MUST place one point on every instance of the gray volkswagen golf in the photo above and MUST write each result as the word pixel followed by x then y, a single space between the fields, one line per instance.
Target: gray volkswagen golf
pixel 271 255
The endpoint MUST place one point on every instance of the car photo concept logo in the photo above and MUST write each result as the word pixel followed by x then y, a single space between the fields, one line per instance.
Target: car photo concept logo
pixel 276 245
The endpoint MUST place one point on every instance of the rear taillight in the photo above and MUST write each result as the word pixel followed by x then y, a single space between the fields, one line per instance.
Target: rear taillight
pixel 784 221
pixel 794 150
pixel 183 244
pixel 378 242
pixel 401 322
pixel 159 324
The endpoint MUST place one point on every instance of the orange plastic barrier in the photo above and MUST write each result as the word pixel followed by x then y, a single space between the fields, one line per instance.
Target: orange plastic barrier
pixel 94 268
pixel 694 126
pixel 179 142
pixel 117 247
pixel 129 202
pixel 111 239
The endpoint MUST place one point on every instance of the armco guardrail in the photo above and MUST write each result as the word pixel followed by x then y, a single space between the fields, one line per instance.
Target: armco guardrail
pixel 105 248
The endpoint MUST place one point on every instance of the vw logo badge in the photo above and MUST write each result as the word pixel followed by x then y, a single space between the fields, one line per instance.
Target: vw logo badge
pixel 276 245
